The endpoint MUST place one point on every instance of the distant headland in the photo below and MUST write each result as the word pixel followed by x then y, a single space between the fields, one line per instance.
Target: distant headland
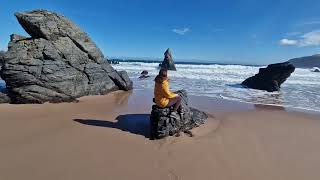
pixel 306 62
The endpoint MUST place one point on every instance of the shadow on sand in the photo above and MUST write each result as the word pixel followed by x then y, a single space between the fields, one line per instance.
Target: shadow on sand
pixel 134 123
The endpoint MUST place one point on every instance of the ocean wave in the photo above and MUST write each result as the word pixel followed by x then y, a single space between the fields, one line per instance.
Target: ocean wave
pixel 301 90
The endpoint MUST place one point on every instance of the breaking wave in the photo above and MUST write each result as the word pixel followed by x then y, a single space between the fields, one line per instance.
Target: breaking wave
pixel 301 90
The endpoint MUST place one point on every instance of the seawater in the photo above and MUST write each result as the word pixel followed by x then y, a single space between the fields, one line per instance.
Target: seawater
pixel 301 90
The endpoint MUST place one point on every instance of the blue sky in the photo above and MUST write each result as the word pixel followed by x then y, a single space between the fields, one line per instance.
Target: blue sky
pixel 229 31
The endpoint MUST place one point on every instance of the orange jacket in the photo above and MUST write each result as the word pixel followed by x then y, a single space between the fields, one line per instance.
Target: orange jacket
pixel 162 94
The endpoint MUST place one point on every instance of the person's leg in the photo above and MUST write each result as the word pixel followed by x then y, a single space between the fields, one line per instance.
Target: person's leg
pixel 178 104
pixel 172 102
pixel 176 101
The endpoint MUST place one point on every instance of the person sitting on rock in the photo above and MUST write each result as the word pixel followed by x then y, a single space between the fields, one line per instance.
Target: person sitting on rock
pixel 163 96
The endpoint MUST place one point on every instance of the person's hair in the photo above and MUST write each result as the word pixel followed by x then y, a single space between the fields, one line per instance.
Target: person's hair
pixel 163 72
pixel 161 76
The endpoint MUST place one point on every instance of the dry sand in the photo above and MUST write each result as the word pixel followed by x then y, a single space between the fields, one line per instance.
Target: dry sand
pixel 106 137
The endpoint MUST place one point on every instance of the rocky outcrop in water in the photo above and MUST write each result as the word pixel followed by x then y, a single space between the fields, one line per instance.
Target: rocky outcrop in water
pixel 168 63
pixel 144 74
pixel 163 125
pixel 270 78
pixel 315 70
pixel 58 63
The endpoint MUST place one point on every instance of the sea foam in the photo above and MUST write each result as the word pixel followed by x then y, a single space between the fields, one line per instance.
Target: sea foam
pixel 301 90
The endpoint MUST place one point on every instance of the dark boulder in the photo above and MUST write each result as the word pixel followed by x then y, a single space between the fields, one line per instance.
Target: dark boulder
pixel 58 63
pixel 316 70
pixel 144 74
pixel 163 125
pixel 168 62
pixel 270 78
pixel 2 54
pixel 4 98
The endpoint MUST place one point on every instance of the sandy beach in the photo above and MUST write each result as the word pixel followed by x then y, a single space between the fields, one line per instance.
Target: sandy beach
pixel 106 137
pixel 251 69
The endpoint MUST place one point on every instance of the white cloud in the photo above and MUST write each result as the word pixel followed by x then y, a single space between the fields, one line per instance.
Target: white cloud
pixel 182 31
pixel 288 42
pixel 309 39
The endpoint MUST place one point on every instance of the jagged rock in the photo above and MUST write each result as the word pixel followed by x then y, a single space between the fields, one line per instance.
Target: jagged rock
pixel 4 98
pixel 162 125
pixel 58 63
pixel 168 61
pixel 2 54
pixel 17 37
pixel 270 78
pixel 198 115
pixel 51 26
pixel 315 70
pixel 144 74
pixel 124 83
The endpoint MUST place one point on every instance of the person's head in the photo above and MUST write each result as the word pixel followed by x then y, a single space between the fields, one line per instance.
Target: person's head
pixel 163 73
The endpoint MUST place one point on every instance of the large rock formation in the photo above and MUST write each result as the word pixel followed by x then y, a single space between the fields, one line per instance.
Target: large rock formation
pixel 2 53
pixel 4 98
pixel 168 63
pixel 271 77
pixel 163 125
pixel 306 62
pixel 58 63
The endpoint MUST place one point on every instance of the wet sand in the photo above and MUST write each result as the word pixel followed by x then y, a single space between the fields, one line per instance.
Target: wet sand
pixel 106 137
